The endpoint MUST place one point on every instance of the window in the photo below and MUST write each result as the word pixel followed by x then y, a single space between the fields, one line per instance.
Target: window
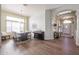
pixel 15 24
pixel 9 26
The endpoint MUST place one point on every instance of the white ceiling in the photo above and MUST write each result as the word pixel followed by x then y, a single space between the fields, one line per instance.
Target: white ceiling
pixel 29 9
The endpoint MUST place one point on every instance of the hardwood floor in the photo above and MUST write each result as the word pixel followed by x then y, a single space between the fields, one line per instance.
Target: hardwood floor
pixel 62 46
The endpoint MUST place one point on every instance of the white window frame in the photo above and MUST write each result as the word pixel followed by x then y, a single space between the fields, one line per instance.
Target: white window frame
pixel 13 19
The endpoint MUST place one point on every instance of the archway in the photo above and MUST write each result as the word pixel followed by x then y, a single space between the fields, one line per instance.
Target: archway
pixel 66 21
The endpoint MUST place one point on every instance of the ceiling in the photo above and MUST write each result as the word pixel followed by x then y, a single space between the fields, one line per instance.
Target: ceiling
pixel 29 9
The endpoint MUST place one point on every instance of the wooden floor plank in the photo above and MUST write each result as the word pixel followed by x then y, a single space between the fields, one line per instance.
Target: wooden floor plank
pixel 61 46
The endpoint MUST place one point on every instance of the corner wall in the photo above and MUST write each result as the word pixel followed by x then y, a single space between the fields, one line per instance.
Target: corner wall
pixel 48 25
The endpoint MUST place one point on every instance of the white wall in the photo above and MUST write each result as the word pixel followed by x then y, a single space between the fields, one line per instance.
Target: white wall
pixel 43 21
pixel 37 20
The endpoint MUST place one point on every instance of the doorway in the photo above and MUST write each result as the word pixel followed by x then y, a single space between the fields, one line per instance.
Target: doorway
pixel 66 22
pixel 67 28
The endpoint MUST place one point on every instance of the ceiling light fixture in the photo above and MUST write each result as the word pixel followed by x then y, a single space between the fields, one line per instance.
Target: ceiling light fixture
pixel 67 17
pixel 65 12
pixel 67 21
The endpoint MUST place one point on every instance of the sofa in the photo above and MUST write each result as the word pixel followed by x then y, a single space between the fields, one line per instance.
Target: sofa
pixel 22 36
